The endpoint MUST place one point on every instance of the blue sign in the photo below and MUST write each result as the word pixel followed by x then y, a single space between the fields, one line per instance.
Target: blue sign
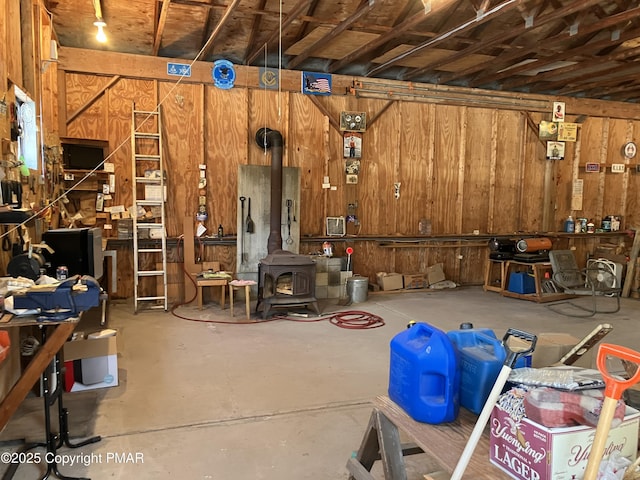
pixel 179 69
pixel 316 83
pixel 223 74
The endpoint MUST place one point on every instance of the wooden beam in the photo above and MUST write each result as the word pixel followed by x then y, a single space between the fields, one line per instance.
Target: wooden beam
pixel 631 265
pixel 33 371
pixel 92 100
pixel 501 37
pixel 159 30
pixel 497 11
pixel 325 39
pixel 291 16
pixel 216 31
pixel 255 28
pixel 325 112
pixel 375 117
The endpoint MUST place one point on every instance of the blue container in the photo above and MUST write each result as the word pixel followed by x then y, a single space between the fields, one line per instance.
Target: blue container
pixel 482 356
pixel 521 282
pixel 424 375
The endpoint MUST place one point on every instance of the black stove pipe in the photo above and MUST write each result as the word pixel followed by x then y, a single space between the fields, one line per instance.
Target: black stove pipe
pixel 267 138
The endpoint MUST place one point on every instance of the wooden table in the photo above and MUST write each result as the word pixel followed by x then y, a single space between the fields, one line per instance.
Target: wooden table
pixel 541 271
pixel 211 282
pixel 444 443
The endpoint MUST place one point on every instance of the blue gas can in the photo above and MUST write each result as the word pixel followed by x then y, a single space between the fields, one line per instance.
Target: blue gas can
pixel 424 375
pixel 482 356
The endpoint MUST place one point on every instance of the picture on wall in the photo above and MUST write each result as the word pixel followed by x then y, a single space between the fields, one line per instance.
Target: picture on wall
pixel 548 130
pixel 352 166
pixel 352 144
pixel 352 179
pixel 558 111
pixel 555 150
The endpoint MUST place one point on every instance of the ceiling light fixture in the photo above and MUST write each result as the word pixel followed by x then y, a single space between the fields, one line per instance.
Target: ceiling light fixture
pixel 100 23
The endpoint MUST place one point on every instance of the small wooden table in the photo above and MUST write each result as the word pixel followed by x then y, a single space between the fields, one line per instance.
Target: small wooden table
pixel 541 271
pixel 211 282
pixel 444 443
pixel 247 296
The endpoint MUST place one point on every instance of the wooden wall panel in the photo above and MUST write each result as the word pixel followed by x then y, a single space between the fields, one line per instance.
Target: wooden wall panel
pixel 615 184
pixel 509 165
pixel 477 179
pixel 590 138
pixel 183 137
pixel 377 205
pixel 445 171
pixel 92 123
pixel 226 146
pixel 14 43
pixel 308 153
pixel 270 109
pixel 415 167
pixel 532 188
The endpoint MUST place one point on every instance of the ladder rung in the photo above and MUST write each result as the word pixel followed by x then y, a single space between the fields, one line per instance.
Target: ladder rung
pixel 151 181
pixel 149 202
pixel 142 112
pixel 140 299
pixel 140 156
pixel 148 225
pixel 146 135
pixel 150 273
pixel 150 250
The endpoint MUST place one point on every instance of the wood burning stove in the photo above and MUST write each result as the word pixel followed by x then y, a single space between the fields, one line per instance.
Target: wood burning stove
pixel 284 278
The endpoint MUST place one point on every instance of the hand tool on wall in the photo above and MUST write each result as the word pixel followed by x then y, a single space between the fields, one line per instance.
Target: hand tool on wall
pixel 241 230
pixel 289 204
pixel 612 393
pixel 508 365
pixel 250 225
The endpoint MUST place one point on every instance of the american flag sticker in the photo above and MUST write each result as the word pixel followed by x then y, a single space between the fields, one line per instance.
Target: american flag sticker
pixel 316 83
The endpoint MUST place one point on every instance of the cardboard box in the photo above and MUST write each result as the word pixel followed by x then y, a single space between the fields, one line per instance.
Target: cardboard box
pixel 415 280
pixel 529 451
pixel 435 274
pixel 551 347
pixel 91 364
pixel 390 281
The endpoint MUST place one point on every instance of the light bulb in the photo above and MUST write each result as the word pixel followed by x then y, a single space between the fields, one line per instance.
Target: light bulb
pixel 100 36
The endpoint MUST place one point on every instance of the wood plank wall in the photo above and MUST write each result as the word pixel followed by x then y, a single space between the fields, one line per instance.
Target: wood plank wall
pixel 464 167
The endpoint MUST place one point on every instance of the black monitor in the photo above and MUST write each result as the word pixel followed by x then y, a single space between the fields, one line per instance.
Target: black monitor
pixel 78 249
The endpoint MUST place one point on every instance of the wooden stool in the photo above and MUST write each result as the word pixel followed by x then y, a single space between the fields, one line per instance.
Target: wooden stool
pixel 211 282
pixel 247 295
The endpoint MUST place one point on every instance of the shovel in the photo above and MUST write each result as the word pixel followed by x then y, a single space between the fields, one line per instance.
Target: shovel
pixel 509 363
pixel 242 254
pixel 612 393
pixel 250 226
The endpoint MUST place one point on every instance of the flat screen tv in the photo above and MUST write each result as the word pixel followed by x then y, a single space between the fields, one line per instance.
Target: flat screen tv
pixel 78 249
pixel 84 154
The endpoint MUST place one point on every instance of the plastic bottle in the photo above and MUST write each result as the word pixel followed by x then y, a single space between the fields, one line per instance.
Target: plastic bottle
pixel 220 231
pixel 569 225
pixel 424 374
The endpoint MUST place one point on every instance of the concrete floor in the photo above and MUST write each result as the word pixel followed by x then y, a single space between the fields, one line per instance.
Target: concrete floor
pixel 277 400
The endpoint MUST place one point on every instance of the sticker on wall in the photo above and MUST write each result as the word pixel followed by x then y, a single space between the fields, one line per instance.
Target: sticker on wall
pixel 352 144
pixel 555 150
pixel 353 121
pixel 223 73
pixel 558 111
pixel 567 132
pixel 179 69
pixel 268 78
pixel 352 179
pixel 316 83
pixel 592 167
pixel 548 130
pixel 629 150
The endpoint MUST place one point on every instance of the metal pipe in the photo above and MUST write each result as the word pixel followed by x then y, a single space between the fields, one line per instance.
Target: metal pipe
pixel 268 138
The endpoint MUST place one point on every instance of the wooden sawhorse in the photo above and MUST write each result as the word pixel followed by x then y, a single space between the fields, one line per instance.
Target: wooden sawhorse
pixel 444 443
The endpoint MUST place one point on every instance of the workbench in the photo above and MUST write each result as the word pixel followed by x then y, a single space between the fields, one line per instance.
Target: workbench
pixel 46 365
pixel 444 443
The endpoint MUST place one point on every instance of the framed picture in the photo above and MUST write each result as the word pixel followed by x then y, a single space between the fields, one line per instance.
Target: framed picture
pixel 352 179
pixel 555 150
pixel 352 166
pixel 352 144
pixel 558 111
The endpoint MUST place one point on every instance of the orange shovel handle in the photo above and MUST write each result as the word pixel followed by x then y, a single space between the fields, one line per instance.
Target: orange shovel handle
pixel 613 386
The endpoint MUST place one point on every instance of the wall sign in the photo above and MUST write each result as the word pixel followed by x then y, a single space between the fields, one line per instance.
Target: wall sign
pixel 223 73
pixel 629 150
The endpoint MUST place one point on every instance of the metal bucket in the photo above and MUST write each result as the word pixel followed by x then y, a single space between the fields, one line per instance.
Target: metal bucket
pixel 358 289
